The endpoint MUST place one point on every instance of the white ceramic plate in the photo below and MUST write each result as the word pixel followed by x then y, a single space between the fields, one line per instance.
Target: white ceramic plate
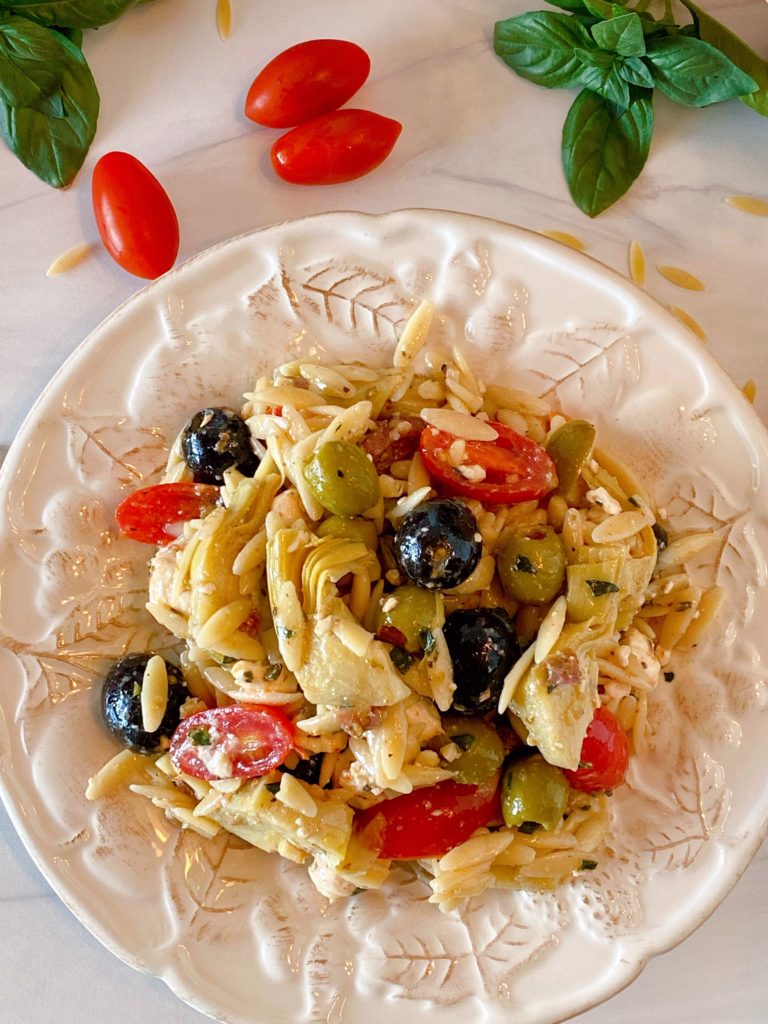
pixel 241 935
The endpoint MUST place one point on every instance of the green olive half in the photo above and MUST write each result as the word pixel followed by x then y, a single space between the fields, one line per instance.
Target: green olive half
pixel 362 530
pixel 412 611
pixel 531 564
pixel 534 791
pixel 342 478
pixel 482 749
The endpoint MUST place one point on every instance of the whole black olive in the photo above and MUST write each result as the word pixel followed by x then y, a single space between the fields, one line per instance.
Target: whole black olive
pixel 483 646
pixel 437 544
pixel 215 440
pixel 121 703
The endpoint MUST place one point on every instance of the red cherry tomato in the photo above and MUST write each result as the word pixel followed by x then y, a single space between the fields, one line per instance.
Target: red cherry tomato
pixel 335 147
pixel 516 468
pixel 305 81
pixel 135 217
pixel 604 755
pixel 232 742
pixel 146 515
pixel 428 822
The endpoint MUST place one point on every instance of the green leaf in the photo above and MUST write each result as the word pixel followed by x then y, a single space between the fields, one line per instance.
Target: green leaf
pixel 711 31
pixel 622 35
pixel 49 103
pixel 635 71
pixel 70 13
pixel 539 46
pixel 604 148
pixel 694 73
pixel 600 8
pixel 600 73
pixel 574 6
pixel 74 35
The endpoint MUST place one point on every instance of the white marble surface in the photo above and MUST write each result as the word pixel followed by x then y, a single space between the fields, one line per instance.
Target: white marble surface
pixel 476 139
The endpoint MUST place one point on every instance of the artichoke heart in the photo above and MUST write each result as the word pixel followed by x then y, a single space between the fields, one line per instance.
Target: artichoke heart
pixel 556 700
pixel 253 813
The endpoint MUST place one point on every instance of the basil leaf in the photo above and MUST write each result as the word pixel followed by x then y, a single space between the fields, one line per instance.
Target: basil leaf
pixel 694 73
pixel 74 35
pixel 574 6
pixel 49 103
pixel 600 73
pixel 600 8
pixel 602 587
pixel 635 71
pixel 604 148
pixel 623 35
pixel 539 46
pixel 711 31
pixel 70 13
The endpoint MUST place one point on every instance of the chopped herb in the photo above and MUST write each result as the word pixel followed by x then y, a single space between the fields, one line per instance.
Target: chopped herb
pixel 285 634
pixel 137 689
pixel 601 587
pixel 200 737
pixel 669 676
pixel 273 672
pixel 662 538
pixel 528 826
pixel 401 659
pixel 427 641
pixel 523 564
pixel 272 787
pixel 463 740
pixel 634 501
pixel 588 865
pixel 357 890
pixel 683 606
pixel 551 687
pixel 585 764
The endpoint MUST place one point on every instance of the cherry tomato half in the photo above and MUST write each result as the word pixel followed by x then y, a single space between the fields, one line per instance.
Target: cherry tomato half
pixel 335 147
pixel 516 468
pixel 306 80
pixel 232 742
pixel 604 755
pixel 135 217
pixel 428 822
pixel 146 515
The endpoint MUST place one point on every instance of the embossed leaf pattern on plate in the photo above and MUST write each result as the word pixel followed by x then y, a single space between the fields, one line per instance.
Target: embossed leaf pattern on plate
pixel 232 921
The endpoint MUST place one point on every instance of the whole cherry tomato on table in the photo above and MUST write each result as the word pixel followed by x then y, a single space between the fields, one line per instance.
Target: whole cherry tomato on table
pixel 604 755
pixel 146 514
pixel 335 147
pixel 306 80
pixel 232 742
pixel 428 822
pixel 516 468
pixel 135 217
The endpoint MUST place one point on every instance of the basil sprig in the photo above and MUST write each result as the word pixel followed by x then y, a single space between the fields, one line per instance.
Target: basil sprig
pixel 49 103
pixel 617 56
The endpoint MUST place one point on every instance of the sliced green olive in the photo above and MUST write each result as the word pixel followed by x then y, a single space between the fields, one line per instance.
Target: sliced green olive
pixel 482 749
pixel 534 791
pixel 570 448
pixel 350 529
pixel 342 478
pixel 413 612
pixel 531 564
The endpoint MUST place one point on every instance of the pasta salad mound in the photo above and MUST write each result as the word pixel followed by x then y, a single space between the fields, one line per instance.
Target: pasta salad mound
pixel 419 619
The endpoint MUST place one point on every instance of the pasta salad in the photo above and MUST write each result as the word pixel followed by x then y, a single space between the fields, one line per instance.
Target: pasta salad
pixel 419 619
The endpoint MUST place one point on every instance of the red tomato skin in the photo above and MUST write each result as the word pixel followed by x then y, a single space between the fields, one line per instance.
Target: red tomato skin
pixel 306 80
pixel 145 514
pixel 135 217
pixel 511 454
pixel 335 147
pixel 605 754
pixel 428 822
pixel 269 725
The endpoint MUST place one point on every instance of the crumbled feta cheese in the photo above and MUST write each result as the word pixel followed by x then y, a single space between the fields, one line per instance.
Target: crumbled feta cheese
pixel 475 474
pixel 599 496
